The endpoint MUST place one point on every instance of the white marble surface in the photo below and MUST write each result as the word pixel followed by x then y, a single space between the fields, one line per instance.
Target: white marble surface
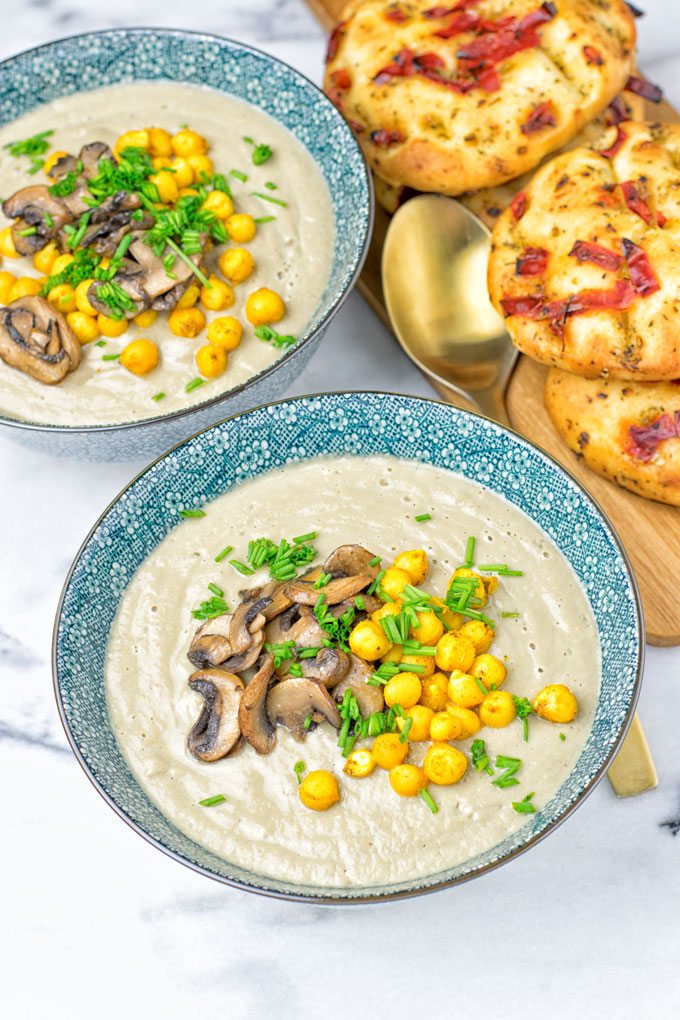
pixel 97 923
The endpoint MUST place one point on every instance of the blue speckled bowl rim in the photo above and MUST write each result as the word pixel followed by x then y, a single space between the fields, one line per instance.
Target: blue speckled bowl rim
pixel 377 897
pixel 323 322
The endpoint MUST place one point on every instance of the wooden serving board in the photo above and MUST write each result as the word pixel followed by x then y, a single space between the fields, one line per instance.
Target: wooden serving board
pixel 650 531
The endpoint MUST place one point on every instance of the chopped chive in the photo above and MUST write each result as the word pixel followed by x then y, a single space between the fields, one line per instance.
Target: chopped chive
pixel 298 768
pixel 423 517
pixel 308 722
pixel 223 555
pixel 295 670
pixel 308 653
pixel 158 396
pixel 429 801
pixel 215 589
pixel 269 198
pixel 511 573
pixel 481 686
pixel 524 710
pixel 100 343
pixel 470 552
pixel 211 608
pixel 403 736
pixel 563 736
pixel 374 562
pixel 110 357
pixel 28 232
pixel 211 801
pixel 509 616
pixel 492 566
pixel 192 513
pixel 193 385
pixel 309 537
pixel 524 806
pixel 264 219
pixel 271 186
pixel 241 567
pixel 359 603
pixel 238 175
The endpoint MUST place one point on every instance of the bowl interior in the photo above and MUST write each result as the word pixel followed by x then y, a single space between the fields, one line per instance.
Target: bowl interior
pixel 333 424
pixel 93 60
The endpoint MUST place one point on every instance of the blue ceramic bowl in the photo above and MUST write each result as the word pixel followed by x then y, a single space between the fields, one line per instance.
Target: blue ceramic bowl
pixel 268 437
pixel 84 62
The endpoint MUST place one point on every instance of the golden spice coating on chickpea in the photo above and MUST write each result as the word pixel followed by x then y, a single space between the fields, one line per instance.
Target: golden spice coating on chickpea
pixel 241 228
pixel 420 717
pixel 393 655
pixel 402 689
pixel 556 703
pixel 497 709
pixel 469 720
pixel 393 582
pixel 388 609
pixel 111 328
pixel 479 633
pixel 464 690
pixel 444 726
pixel 319 790
pixel 7 281
pixel 369 641
pixel 166 185
pixel 480 591
pixel 450 619
pixel 264 306
pixel 218 295
pixel 187 143
pixel 428 629
pixel 389 750
pixel 188 322
pixel 25 286
pixel 211 361
pixel 82 301
pixel 7 244
pixel 83 325
pixel 202 167
pixel 60 264
pixel 407 780
pixel 189 297
pixel 359 763
pixel 219 203
pixel 53 159
pixel 160 142
pixel 425 662
pixel 64 298
pixel 489 669
pixel 435 691
pixel 140 356
pixel 43 260
pixel 454 652
pixel 182 172
pixel 414 562
pixel 236 264
pixel 444 765
pixel 225 332
pixel 145 319
pixel 137 139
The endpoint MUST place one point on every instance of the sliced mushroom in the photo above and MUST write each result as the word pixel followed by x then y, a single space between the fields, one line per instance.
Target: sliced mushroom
pixel 130 277
pixel 337 590
pixel 240 633
pixel 211 644
pixel 329 666
pixel 350 560
pixel 292 700
pixel 91 155
pixel 369 699
pixel 37 340
pixel 156 280
pixel 216 732
pixel 35 210
pixel 105 234
pixel 256 726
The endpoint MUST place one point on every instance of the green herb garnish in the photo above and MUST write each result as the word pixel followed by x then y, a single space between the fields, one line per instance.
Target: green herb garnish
pixel 238 175
pixel 264 219
pixel 242 568
pixel 480 759
pixel 223 555
pixel 211 801
pixel 298 768
pixel 308 722
pixel 211 608
pixel 193 385
pixel 524 806
pixel 271 336
pixel 524 710
pixel 510 767
pixel 36 145
pixel 269 198
pixel 470 552
pixel 192 513
pixel 425 796
pixel 337 627
pixel 261 153
pixel 158 396
pixel 215 589
pixel 423 517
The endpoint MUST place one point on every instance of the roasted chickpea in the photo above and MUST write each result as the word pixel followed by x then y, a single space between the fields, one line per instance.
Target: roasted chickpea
pixel 202 167
pixel 452 620
pixel 464 690
pixel 53 159
pixel 241 228
pixel 236 264
pixel 7 244
pixel 555 703
pixel 480 591
pixel 388 750
pixel 211 361
pixel 319 790
pixel 25 286
pixel 145 319
pixel 225 332
pixel 7 281
pixel 469 720
pixel 82 301
pixel 489 669
pixel 393 582
pixel 60 264
pixel 166 185
pixel 407 780
pixel 182 172
pixel 479 633
pixel 387 609
pixel 402 689
pixel 160 142
pixel 393 655
pixel 64 298
pixel 368 640
pixel 186 321
pixel 111 327
pixel 264 306
pixel 421 718
pixel 43 260
pixel 132 140
pixel 188 143
pixel 140 356
pixel 429 628
pixel 435 691
pixel 218 295
pixel 414 562
pixel 444 764
pixel 497 709
pixel 490 584
pixel 84 326
pixel 359 763
pixel 426 662
pixel 189 297
pixel 444 726
pixel 218 202
pixel 454 652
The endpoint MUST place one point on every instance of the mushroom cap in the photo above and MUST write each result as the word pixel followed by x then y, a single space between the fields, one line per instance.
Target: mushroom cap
pixel 350 560
pixel 36 339
pixel 256 726
pixel 369 699
pixel 329 666
pixel 29 207
pixel 212 644
pixel 337 590
pixel 216 733
pixel 293 699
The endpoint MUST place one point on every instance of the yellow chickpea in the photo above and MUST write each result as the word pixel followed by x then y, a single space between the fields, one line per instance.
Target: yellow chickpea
pixel 139 356
pixel 421 718
pixel 211 361
pixel 453 621
pixel 132 139
pixel 389 751
pixel 187 143
pixel 111 328
pixel 393 581
pixel 426 662
pixel 403 689
pixel 7 244
pixel 218 202
pixel 479 633
pixel 225 332
pixel 359 763
pixel 414 562
pixel 218 295
pixel 60 264
pixel 64 299
pixel 454 652
pixel 84 326
pixel 497 709
pixel 43 260
pixel 236 264
pixel 160 142
pixel 490 584
pixel 53 159
pixel 201 167
pixel 435 692
pixel 444 726
pixel 429 628
pixel 145 319
pixel 182 172
pixel 82 301
pixel 264 306
pixel 464 690
pixel 469 720
pixel 369 641
pixel 444 765
pixel 189 297
pixel 25 286
pixel 407 780
pixel 7 281
pixel 183 192
pixel 166 185
pixel 241 228
pixel 556 703
pixel 393 655
pixel 490 670
pixel 188 322
pixel 319 790
pixel 480 591
pixel 388 609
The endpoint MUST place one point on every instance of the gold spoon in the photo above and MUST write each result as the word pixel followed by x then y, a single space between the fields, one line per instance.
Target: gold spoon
pixel 434 281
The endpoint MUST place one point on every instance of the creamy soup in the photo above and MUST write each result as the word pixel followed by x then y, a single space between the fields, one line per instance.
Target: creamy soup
pixel 372 836
pixel 292 252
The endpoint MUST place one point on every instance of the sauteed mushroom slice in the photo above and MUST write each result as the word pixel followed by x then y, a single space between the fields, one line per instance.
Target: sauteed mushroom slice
pixel 329 666
pixel 211 644
pixel 350 560
pixel 156 279
pixel 37 340
pixel 369 699
pixel 248 658
pixel 256 726
pixel 216 732
pixel 130 277
pixel 337 590
pixel 292 700
pixel 35 210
